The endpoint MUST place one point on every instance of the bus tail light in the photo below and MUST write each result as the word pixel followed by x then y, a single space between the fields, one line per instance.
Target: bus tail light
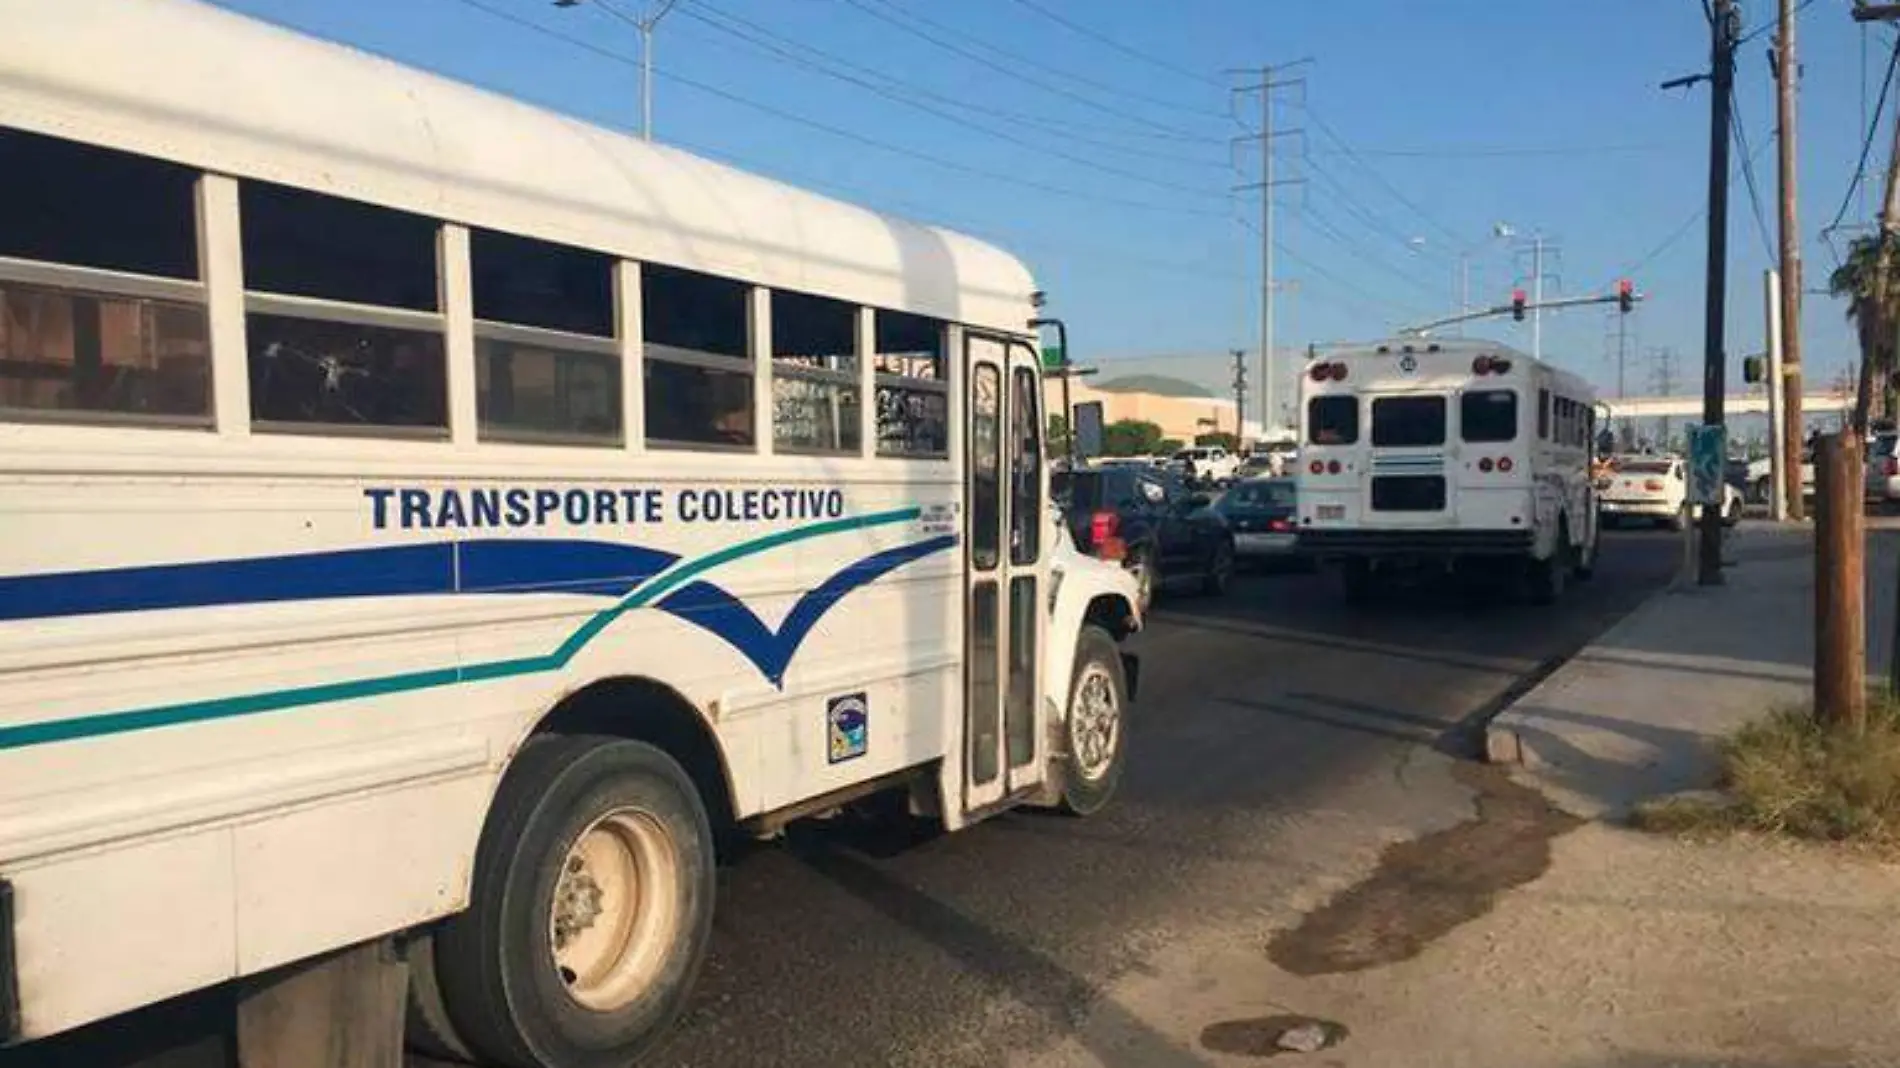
pixel 1505 464
pixel 1321 372
pixel 1484 465
pixel 1317 467
pixel 1339 372
pixel 1332 467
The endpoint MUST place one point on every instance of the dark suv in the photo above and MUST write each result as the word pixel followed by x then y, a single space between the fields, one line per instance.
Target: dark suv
pixel 1151 522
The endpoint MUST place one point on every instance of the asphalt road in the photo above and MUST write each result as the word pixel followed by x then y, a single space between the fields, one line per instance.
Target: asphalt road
pixel 1273 757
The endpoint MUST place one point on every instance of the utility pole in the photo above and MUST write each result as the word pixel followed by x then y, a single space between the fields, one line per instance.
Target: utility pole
pixel 1787 74
pixel 644 24
pixel 1537 295
pixel 1724 29
pixel 1240 397
pixel 1269 82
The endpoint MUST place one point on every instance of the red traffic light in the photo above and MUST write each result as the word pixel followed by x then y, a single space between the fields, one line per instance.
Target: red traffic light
pixel 1517 304
pixel 1625 295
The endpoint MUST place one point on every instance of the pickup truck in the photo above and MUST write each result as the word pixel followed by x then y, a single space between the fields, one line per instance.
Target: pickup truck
pixel 1205 465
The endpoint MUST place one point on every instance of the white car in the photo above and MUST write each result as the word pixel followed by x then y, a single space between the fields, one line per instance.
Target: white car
pixel 1759 471
pixel 1656 489
pixel 1882 477
pixel 1206 465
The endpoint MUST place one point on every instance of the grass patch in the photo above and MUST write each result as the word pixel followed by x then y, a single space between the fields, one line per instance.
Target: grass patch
pixel 1789 775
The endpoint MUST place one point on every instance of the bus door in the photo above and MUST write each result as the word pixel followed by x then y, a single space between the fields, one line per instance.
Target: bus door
pixel 1005 531
pixel 1408 479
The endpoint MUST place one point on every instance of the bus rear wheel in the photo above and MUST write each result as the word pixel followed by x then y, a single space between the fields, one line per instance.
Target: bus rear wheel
pixel 1548 576
pixel 590 910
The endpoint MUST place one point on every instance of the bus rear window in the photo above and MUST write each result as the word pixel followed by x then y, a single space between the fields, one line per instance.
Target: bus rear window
pixel 1332 420
pixel 1488 415
pixel 1400 422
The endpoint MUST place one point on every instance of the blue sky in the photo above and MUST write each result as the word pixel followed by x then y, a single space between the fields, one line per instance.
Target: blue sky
pixel 1094 144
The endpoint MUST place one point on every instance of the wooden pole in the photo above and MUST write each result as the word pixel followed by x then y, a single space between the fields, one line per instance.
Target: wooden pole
pixel 1840 623
pixel 1787 73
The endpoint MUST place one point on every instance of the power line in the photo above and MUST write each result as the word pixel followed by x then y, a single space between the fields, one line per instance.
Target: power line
pixel 988 57
pixel 1748 177
pixel 837 131
pixel 1361 213
pixel 1867 144
pixel 1340 143
pixel 1676 235
pixel 1366 255
pixel 1769 25
pixel 1103 39
pixel 791 57
pixel 720 20
pixel 1505 151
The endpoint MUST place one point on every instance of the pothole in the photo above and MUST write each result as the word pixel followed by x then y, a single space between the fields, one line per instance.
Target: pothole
pixel 1271 1036
pixel 1424 888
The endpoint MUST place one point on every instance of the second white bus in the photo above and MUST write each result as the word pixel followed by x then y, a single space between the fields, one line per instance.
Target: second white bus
pixel 1460 454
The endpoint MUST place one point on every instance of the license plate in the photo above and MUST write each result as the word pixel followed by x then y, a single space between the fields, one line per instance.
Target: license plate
pixel 1332 511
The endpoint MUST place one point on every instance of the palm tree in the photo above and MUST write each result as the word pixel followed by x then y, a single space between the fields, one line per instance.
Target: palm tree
pixel 1876 316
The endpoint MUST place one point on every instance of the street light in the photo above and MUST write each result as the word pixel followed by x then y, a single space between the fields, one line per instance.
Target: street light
pixel 645 26
pixel 1500 231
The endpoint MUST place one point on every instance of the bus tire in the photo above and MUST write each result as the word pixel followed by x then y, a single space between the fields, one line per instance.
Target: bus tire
pixel 590 909
pixel 1547 576
pixel 1096 724
pixel 426 1026
pixel 1586 568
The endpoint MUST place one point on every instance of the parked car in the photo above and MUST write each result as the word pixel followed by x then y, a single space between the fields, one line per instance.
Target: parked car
pixel 1205 465
pixel 1882 478
pixel 1260 513
pixel 1151 522
pixel 1759 472
pixel 1656 488
pixel 1256 465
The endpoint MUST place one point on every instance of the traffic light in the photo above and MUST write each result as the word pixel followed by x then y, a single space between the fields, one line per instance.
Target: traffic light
pixel 1754 369
pixel 1517 304
pixel 1625 296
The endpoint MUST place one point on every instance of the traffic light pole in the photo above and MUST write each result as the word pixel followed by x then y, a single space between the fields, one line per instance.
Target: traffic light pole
pixel 1516 310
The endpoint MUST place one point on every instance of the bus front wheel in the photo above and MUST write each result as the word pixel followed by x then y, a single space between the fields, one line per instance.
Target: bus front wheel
pixel 589 912
pixel 1097 724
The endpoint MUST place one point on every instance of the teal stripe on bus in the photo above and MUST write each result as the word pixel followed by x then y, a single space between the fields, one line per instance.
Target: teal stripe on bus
pixel 94 726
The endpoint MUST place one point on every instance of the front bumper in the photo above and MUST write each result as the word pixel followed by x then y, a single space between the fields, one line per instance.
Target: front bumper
pixel 1400 543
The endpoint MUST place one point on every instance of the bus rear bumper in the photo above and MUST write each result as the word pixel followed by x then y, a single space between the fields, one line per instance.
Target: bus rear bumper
pixel 1442 544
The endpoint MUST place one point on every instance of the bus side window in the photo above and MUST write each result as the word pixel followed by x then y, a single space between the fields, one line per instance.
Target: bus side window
pixel 697 358
pixel 547 368
pixel 1543 415
pixel 913 392
pixel 814 374
pixel 105 319
pixel 341 318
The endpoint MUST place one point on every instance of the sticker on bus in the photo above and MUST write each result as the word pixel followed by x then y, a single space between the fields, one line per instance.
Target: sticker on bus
pixel 847 721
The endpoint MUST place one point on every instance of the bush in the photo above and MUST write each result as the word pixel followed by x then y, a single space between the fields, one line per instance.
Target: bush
pixel 1790 775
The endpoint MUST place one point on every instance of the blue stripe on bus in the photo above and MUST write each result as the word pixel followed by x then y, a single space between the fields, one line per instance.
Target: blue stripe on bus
pixel 522 565
pixel 642 594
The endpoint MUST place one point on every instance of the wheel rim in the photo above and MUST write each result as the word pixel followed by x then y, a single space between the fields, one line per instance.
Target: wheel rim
pixel 1144 582
pixel 614 912
pixel 1094 723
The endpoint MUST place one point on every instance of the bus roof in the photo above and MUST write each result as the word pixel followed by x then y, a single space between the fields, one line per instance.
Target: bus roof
pixel 189 82
pixel 1438 360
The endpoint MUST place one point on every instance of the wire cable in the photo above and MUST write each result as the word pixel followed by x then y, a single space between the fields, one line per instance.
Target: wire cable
pixel 838 131
pixel 1331 135
pixel 987 55
pixel 1103 39
pixel 1748 177
pixel 1867 143
pixel 895 89
pixel 951 117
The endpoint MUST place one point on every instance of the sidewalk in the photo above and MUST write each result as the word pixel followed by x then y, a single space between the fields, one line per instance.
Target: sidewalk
pixel 1543 933
pixel 1637 713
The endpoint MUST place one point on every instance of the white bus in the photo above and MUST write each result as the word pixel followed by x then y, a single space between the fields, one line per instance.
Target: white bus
pixel 1459 454
pixel 430 522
